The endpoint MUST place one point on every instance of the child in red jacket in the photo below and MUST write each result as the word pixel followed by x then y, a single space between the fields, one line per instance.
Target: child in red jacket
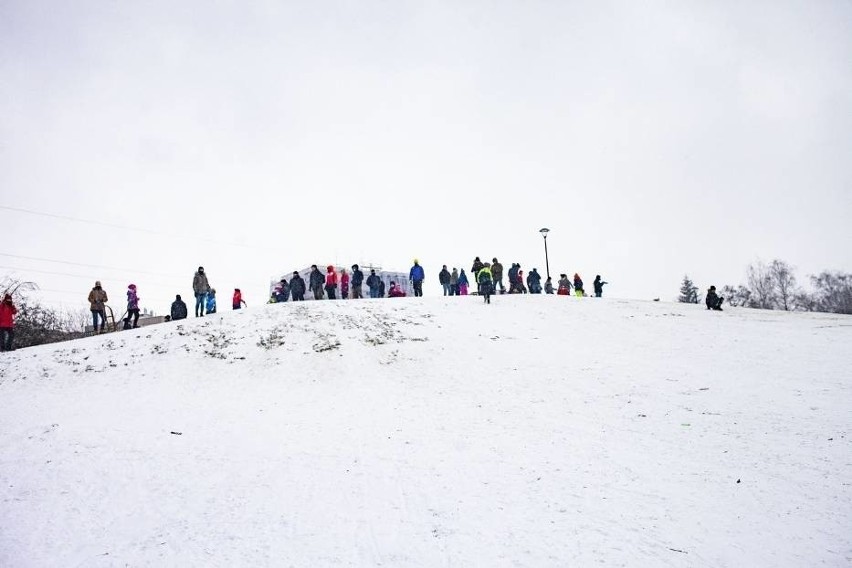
pixel 237 301
pixel 7 323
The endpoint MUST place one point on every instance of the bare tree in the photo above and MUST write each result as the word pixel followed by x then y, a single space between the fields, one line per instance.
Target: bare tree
pixel 761 285
pixel 737 296
pixel 833 292
pixel 784 283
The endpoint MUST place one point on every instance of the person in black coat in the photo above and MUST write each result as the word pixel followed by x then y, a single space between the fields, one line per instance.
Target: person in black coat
pixel 297 287
pixel 178 309
pixel 357 280
pixel 713 301
pixel 598 284
pixel 317 281
pixel 373 283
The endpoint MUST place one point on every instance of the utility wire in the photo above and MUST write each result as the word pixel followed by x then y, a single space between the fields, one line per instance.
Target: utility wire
pixel 128 270
pixel 125 227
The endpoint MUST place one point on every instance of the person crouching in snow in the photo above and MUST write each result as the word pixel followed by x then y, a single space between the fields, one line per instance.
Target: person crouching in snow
pixel 330 282
pixel 211 301
pixel 395 291
pixel 237 301
pixel 713 301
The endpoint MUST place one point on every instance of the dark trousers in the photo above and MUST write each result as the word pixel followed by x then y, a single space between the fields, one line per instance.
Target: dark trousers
pixel 318 293
pixel 7 335
pixel 356 291
pixel 418 287
pixel 134 315
pixel 330 290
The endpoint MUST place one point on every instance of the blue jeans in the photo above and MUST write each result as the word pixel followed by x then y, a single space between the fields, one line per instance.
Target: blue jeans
pixel 200 301
pixel 447 290
pixel 95 315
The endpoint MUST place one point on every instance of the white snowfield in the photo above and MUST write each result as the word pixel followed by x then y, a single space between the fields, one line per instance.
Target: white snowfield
pixel 538 431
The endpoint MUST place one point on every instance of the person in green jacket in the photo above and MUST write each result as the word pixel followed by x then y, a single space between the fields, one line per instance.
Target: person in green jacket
pixel 485 281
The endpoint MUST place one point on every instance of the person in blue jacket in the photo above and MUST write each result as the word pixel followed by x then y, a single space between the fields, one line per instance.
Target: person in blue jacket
pixel 211 301
pixel 416 276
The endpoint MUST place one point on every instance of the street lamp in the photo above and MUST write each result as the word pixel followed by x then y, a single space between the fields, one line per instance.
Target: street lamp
pixel 546 262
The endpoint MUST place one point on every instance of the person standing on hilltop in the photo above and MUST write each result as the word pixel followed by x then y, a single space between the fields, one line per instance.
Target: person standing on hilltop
pixel 454 282
pixel 344 284
pixel 97 304
pixel 200 287
pixel 484 280
pixel 444 279
pixel 297 287
pixel 357 282
pixel 7 323
pixel 463 283
pixel 598 284
pixel 331 282
pixel 316 282
pixel 497 275
pixel 132 305
pixel 416 276
pixel 374 283
pixel 578 286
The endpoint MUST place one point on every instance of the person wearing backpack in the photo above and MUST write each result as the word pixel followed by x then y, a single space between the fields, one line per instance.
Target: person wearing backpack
pixel 485 281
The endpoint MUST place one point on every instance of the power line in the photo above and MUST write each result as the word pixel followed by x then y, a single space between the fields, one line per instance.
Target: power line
pixel 129 270
pixel 126 228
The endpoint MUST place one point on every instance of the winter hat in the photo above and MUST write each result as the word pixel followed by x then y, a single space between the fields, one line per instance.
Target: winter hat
pixel 132 286
pixel 97 283
pixel 712 287
pixel 7 298
pixel 330 268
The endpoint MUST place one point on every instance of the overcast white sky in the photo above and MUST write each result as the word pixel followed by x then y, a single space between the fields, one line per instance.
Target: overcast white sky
pixel 254 138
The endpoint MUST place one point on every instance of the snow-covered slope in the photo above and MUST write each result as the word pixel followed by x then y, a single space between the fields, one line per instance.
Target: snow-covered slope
pixel 537 431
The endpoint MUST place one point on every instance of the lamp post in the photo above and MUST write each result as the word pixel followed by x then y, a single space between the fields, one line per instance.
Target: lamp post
pixel 546 262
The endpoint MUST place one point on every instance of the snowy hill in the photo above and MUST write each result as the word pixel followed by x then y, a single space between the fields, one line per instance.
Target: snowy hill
pixel 538 431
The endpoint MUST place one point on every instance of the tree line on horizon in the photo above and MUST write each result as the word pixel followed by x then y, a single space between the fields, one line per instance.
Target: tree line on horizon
pixel 774 286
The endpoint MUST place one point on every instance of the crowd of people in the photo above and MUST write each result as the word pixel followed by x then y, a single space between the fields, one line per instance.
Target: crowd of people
pixel 488 278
